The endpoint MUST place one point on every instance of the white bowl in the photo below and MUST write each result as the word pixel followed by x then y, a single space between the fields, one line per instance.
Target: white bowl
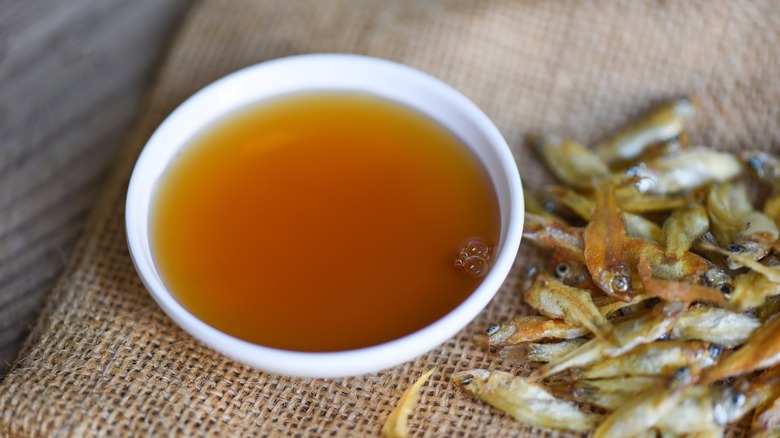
pixel 327 72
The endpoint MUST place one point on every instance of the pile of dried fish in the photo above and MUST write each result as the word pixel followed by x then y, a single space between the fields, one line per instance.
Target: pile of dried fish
pixel 659 310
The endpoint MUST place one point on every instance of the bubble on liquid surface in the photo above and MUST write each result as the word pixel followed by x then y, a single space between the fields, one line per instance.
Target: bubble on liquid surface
pixel 475 266
pixel 478 247
pixel 473 258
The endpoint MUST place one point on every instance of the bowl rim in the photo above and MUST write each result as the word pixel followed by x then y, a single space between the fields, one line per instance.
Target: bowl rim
pixel 227 94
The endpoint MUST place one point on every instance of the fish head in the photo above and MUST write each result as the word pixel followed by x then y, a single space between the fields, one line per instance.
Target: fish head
pixel 766 166
pixel 572 273
pixel 616 282
pixel 731 404
pixel 746 248
pixel 470 381
pixel 499 333
pixel 717 278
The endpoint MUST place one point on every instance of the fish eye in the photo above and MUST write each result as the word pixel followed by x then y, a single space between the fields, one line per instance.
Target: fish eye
pixel 726 290
pixel 755 163
pixel 715 351
pixel 735 248
pixel 477 247
pixel 466 379
pixel 682 373
pixel 493 329
pixel 562 270
pixel 619 283
pixel 738 399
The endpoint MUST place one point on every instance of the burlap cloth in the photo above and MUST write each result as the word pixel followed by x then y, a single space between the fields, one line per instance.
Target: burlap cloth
pixel 103 358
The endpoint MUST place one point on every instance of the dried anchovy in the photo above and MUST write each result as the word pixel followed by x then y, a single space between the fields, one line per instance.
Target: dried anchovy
pixel 671 286
pixel 525 400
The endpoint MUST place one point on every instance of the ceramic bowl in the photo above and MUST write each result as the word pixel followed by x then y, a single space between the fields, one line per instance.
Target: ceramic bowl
pixel 328 72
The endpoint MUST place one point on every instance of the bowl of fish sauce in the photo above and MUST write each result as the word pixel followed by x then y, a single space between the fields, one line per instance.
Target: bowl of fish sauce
pixel 324 215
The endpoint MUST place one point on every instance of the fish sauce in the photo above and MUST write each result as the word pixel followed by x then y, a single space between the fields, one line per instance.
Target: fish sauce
pixel 321 221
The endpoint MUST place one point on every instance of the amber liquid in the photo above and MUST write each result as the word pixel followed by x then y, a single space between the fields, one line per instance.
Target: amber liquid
pixel 321 222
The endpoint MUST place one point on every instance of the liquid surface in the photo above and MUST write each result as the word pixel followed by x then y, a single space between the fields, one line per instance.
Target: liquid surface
pixel 321 222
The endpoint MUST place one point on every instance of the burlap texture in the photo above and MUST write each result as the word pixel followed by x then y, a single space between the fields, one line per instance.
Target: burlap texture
pixel 104 359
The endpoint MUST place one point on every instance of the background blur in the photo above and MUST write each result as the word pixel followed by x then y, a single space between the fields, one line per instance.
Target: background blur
pixel 72 76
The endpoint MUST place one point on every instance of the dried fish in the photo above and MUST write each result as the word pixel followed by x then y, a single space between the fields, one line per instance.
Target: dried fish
pixel 638 226
pixel 524 400
pixel 605 238
pixel 662 124
pixel 772 274
pixel 762 350
pixel 539 352
pixel 564 240
pixel 660 358
pixel 583 206
pixel 396 425
pixel 766 167
pixel 745 232
pixel 766 419
pixel 646 409
pixel 554 299
pixel 609 393
pixel 632 333
pixel 689 266
pixel 751 290
pixel 529 329
pixel 686 317
pixel 727 206
pixel 683 227
pixel 715 325
pixel 706 408
pixel 755 240
pixel 737 226
pixel 609 306
pixel 580 204
pixel 533 206
pixel 685 170
pixel 631 200
pixel 572 273
pixel 681 291
pixel 572 163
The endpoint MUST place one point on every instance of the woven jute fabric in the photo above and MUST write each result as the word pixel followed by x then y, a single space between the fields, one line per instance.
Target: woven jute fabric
pixel 105 360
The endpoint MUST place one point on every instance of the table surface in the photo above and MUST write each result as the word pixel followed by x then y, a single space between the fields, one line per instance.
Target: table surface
pixel 72 76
